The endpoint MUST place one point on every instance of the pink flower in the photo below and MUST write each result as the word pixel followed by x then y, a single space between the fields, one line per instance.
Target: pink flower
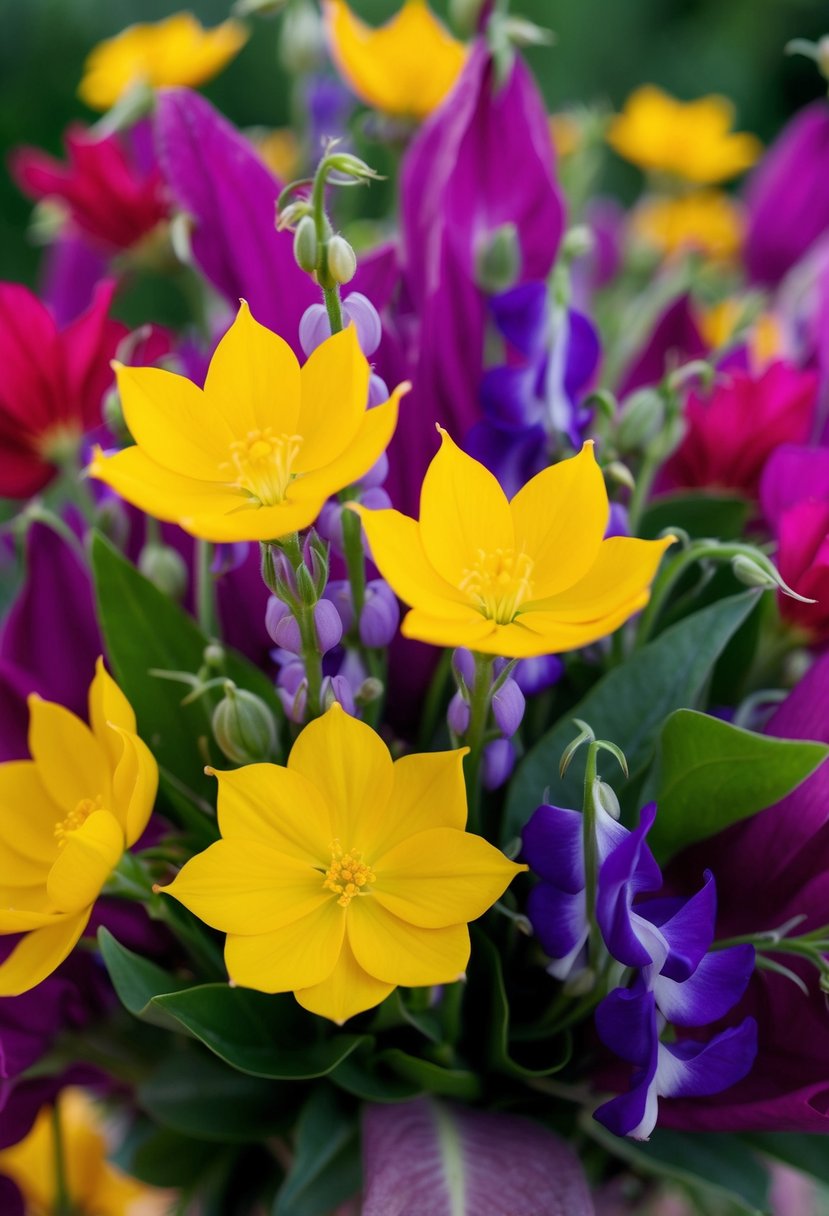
pixel 52 384
pixel 110 195
pixel 795 497
pixel 733 430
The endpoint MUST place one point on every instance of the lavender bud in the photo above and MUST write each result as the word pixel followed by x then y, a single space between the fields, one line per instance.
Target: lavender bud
pixel 229 556
pixel 337 688
pixel 378 390
pixel 617 524
pixel 314 328
pixel 291 671
pixel 275 612
pixel 330 525
pixel 327 625
pixel 508 706
pixel 457 715
pixel 359 309
pixel 338 592
pixel 498 761
pixel 376 475
pixel 315 557
pixel 536 675
pixel 283 628
pixel 464 665
pixel 294 703
pixel 376 499
pixel 380 616
pixel 243 726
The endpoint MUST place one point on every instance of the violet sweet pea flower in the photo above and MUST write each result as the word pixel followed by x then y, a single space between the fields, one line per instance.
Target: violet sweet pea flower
pixel 675 339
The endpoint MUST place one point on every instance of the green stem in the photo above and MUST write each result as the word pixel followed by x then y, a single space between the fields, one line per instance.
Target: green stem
pixel 206 612
pixel 591 856
pixel 63 1205
pixel 641 491
pixel 330 289
pixel 312 659
pixel 481 698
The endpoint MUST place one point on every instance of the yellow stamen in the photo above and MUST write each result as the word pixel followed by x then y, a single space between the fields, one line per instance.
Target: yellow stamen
pixel 348 875
pixel 262 465
pixel 77 818
pixel 500 582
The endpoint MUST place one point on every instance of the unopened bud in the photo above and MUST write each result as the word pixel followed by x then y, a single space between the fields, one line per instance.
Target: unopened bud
pixel 370 690
pixel 751 573
pixel 458 714
pixel 463 664
pixel 578 242
pixel 497 763
pixel 380 616
pixel 214 654
pixel 352 166
pixel 508 706
pixel 165 568
pixel 302 40
pixel 291 214
pixel 306 245
pixel 112 519
pixel 243 726
pixel 605 796
pixel 498 260
pixel 341 260
pixel 337 690
pixel 464 15
pixel 642 418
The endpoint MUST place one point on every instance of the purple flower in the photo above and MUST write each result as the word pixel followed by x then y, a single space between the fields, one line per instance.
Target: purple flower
pixel 380 616
pixel 675 339
pixel 537 675
pixel 508 707
pixel 357 309
pixel 787 197
pixel 498 761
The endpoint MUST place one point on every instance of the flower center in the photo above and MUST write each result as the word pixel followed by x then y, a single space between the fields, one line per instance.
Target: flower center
pixel 59 444
pixel 262 465
pixel 500 582
pixel 77 818
pixel 348 875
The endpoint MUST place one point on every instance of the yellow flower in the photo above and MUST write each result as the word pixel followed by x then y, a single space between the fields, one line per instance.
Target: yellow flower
pixel 566 133
pixel 280 150
pixel 92 1184
pixel 692 140
pixel 176 51
pixel 343 874
pixel 405 68
pixel 725 322
pixel 255 454
pixel 705 221
pixel 66 817
pixel 527 577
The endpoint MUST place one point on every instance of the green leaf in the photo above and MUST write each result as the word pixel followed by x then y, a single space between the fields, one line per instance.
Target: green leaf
pixel 193 1093
pixel 364 1075
pixel 712 774
pixel 143 629
pixel 162 1158
pixel 137 981
pixel 701 514
pixel 801 1151
pixel 326 1168
pixel 265 1036
pixel 629 705
pixel 716 1166
pixel 431 1077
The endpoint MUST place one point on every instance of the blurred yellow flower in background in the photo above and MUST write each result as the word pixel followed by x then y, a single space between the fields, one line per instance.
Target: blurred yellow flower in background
pixel 404 68
pixel 176 51
pixel 706 222
pixel 691 140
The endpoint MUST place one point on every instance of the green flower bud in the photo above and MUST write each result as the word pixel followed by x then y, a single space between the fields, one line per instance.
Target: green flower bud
pixel 114 415
pixel 464 15
pixel 243 726
pixel 578 242
pixel 302 42
pixel 641 420
pixel 605 796
pixel 341 259
pixel 306 246
pixel 165 568
pixel 752 574
pixel 351 166
pixel 498 260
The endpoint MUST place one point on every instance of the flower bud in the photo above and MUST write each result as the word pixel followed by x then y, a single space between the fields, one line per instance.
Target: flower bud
pixel 314 328
pixel 463 665
pixel 340 259
pixel 751 573
pixel 498 260
pixel 641 419
pixel 457 715
pixel 214 655
pixel 302 39
pixel 578 242
pixel 338 592
pixel 276 612
pixel 315 557
pixel 380 616
pixel 328 626
pixel 330 524
pixel 537 675
pixel 165 568
pixel 370 690
pixel 306 585
pixel 508 706
pixel 295 702
pixel 337 689
pixel 366 319
pixel 111 518
pixel 376 499
pixel 618 523
pixel 464 15
pixel 605 796
pixel 378 391
pixel 376 475
pixel 306 245
pixel 243 726
pixel 497 763
pixel 351 166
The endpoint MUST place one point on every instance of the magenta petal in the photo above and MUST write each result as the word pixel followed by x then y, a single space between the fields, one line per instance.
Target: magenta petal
pixel 500 1163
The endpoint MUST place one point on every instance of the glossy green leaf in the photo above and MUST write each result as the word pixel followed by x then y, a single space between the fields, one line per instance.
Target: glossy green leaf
pixel 712 774
pixel 365 1076
pixel 431 1077
pixel 629 705
pixel 265 1036
pixel 136 981
pixel 801 1151
pixel 699 514
pixel 326 1168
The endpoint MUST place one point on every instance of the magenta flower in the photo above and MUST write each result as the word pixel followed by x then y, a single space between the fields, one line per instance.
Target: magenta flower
pixel 110 196
pixel 733 430
pixel 794 494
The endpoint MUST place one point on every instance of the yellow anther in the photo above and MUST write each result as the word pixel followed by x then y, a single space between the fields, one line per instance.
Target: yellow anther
pixel 347 875
pixel 499 582
pixel 262 465
pixel 77 818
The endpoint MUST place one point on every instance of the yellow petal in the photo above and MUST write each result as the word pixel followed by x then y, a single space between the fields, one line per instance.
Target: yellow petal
pixel 39 953
pixel 472 630
pixel 398 553
pixel 347 991
pixel 560 517
pixel 248 888
pixel 276 807
pixel 70 761
pixel 405 67
pixel 334 394
pixel 168 496
pixel 174 423
pixel 28 814
pixel 244 522
pixel 429 791
pixel 463 512
pixel 89 855
pixel 30 910
pixel 134 785
pixel 623 570
pixel 441 877
pixel 397 952
pixel 107 704
pixel 253 382
pixel 350 765
pixel 366 447
pixel 303 954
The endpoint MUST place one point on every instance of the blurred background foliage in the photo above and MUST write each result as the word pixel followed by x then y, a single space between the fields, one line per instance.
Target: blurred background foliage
pixel 604 49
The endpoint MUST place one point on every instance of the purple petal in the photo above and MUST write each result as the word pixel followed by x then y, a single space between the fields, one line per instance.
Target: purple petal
pixel 629 870
pixel 509 398
pixel 675 339
pixel 514 457
pixel 688 930
pixel 715 987
pixel 552 846
pixel 792 475
pixel 688 1069
pixel 217 178
pixel 626 1023
pixel 446 1160
pixel 522 316
pixel 560 924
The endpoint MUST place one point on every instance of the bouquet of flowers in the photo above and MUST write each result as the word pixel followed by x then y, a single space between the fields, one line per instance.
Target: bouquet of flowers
pixel 413 796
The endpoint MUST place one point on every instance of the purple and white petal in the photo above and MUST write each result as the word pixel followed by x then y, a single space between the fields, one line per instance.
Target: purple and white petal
pixel 715 987
pixel 689 1069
